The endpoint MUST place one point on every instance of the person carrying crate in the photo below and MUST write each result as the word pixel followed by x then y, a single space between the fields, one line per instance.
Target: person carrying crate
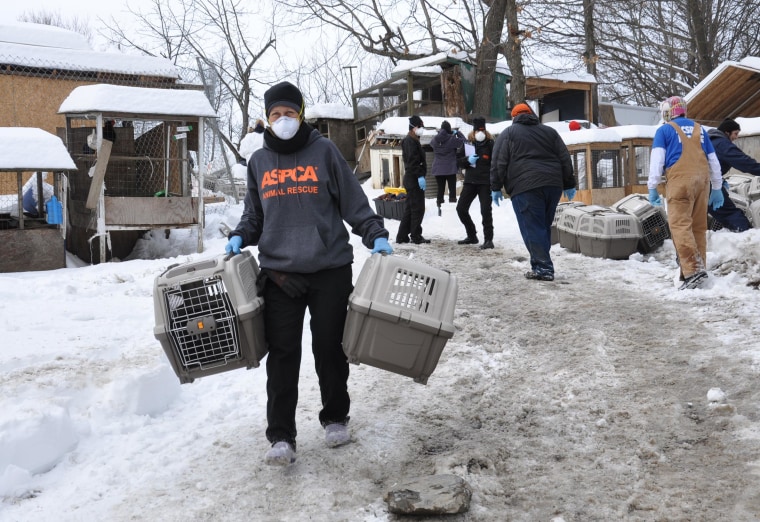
pixel 300 192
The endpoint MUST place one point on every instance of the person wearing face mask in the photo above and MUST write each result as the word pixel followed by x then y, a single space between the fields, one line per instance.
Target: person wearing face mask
pixel 415 170
pixel 300 192
pixel 477 181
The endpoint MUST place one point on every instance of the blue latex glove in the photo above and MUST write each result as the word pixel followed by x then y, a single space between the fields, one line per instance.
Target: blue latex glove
pixel 422 183
pixel 716 199
pixel 726 185
pixel 496 196
pixel 569 193
pixel 654 198
pixel 472 159
pixel 233 245
pixel 382 246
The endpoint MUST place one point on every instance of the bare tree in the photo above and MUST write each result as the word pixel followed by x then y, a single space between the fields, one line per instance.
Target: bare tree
pixel 642 52
pixel 409 30
pixel 217 33
pixel 54 18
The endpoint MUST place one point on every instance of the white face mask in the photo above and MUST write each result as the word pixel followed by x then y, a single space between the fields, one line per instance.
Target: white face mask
pixel 419 131
pixel 285 127
pixel 480 136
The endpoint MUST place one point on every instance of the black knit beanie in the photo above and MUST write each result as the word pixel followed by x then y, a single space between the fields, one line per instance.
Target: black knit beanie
pixel 446 126
pixel 415 121
pixel 479 123
pixel 284 93
pixel 728 126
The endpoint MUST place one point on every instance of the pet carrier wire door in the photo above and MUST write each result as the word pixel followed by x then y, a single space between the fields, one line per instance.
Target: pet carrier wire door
pixel 208 316
pixel 400 316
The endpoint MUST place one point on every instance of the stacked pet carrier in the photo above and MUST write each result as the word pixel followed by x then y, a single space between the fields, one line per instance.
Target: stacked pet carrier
pixel 628 226
pixel 653 221
pixel 567 225
pixel 558 215
pixel 744 191
pixel 400 316
pixel 208 316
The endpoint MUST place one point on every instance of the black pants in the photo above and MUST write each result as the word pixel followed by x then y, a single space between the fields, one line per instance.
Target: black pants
pixel 327 301
pixel 411 221
pixel 469 192
pixel 442 181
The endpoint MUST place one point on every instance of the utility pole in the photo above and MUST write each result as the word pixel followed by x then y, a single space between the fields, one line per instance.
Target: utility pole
pixel 353 101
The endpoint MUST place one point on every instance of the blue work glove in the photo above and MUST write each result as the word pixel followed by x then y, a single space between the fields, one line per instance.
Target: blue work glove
pixel 421 181
pixel 472 159
pixel 496 196
pixel 569 193
pixel 654 198
pixel 716 199
pixel 234 245
pixel 382 246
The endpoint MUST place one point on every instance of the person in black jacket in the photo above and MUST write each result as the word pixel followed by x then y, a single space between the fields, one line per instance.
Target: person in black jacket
pixel 415 170
pixel 476 184
pixel 729 155
pixel 532 163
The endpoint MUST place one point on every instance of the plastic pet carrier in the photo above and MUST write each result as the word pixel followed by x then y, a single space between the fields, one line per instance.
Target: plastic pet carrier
pixel 557 213
pixel 208 316
pixel 567 225
pixel 753 213
pixel 742 183
pixel 653 220
pixel 400 316
pixel 608 234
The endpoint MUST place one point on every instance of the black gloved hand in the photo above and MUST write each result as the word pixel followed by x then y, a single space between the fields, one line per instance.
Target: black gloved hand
pixel 294 285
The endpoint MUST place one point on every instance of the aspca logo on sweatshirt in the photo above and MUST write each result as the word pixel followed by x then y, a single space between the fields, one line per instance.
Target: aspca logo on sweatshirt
pixel 284 182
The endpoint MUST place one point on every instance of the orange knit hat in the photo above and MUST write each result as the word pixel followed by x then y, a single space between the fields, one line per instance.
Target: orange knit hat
pixel 521 108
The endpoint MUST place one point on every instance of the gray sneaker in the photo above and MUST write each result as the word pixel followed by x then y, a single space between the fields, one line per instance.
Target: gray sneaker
pixel 280 454
pixel 694 281
pixel 337 434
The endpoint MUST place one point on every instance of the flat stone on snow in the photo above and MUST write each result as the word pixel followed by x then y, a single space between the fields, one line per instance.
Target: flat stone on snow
pixel 434 495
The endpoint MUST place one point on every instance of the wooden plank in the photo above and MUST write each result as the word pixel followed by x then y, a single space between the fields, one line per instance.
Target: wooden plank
pixel 96 185
pixel 151 212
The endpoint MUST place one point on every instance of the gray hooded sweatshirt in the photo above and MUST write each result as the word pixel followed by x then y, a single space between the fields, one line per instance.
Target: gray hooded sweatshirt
pixel 296 206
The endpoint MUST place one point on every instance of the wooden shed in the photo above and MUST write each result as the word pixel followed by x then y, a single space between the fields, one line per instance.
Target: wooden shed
pixel 731 90
pixel 598 165
pixel 29 242
pixel 131 147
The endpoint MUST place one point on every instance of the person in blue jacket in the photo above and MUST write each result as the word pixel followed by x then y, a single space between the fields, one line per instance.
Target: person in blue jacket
pixel 730 156
pixel 682 150
pixel 300 192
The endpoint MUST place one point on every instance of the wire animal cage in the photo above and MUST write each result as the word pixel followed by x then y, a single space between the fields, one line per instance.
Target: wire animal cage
pixel 400 316
pixel 208 316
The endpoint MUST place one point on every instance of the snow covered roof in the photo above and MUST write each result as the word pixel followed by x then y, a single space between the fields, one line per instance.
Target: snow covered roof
pixel 399 125
pixel 335 111
pixel 431 64
pixel 750 126
pixel 28 149
pixel 729 91
pixel 44 46
pixel 121 99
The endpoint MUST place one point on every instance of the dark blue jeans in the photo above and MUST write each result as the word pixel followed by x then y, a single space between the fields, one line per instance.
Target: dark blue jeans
pixel 729 215
pixel 327 301
pixel 534 211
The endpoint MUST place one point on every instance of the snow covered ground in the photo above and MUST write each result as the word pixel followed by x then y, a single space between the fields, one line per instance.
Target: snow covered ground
pixel 604 395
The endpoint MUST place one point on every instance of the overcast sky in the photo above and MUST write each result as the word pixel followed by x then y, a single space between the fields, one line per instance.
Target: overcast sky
pixel 92 9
